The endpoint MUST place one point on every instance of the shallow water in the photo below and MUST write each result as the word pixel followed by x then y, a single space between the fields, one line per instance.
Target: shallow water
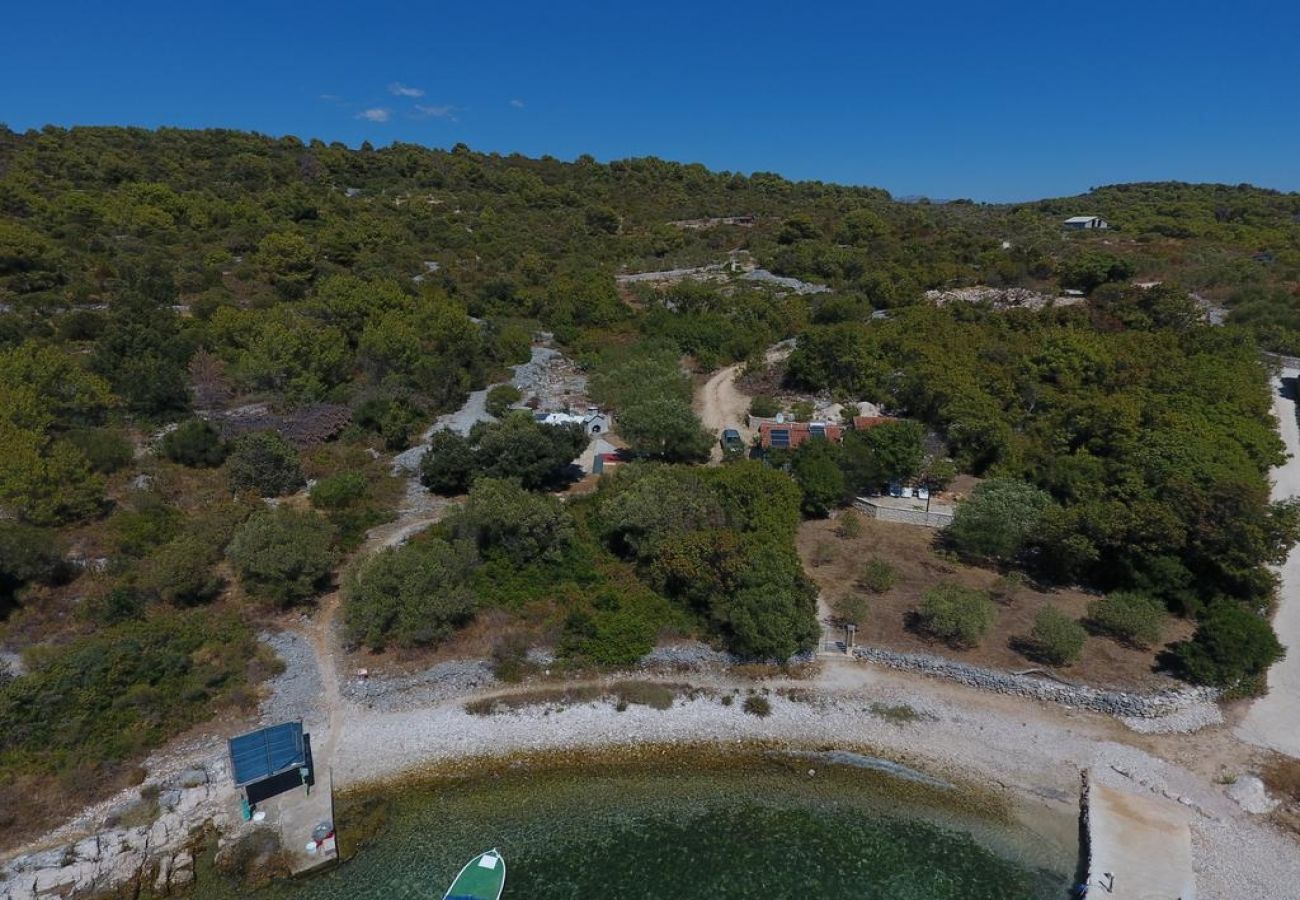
pixel 753 825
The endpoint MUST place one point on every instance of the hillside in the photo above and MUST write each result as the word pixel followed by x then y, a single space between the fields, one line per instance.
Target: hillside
pixel 212 344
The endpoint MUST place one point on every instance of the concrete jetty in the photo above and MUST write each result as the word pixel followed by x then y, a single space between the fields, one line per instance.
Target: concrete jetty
pixel 1139 846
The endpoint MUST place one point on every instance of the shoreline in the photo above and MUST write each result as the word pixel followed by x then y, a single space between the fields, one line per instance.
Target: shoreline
pixel 1020 749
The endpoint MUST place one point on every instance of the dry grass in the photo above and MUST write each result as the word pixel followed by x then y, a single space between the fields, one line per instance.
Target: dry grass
pixel 622 694
pixel 911 550
pixel 1282 778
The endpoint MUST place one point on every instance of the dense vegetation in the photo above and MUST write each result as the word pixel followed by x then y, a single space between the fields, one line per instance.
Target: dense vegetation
pixel 1131 441
pixel 657 549
pixel 193 323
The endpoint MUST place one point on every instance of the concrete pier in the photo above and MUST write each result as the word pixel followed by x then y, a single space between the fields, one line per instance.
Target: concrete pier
pixel 296 814
pixel 1139 846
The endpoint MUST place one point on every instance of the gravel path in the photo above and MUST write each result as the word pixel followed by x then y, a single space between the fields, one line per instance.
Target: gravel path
pixel 434 685
pixel 296 693
pixel 1274 720
pixel 547 375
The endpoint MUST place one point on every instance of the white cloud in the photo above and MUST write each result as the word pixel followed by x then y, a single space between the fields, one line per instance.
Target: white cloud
pixel 517 104
pixel 446 111
pixel 397 89
pixel 375 114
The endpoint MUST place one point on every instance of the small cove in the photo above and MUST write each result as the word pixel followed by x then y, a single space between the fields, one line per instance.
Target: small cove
pixel 690 823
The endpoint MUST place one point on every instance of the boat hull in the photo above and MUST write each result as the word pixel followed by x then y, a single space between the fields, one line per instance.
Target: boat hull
pixel 482 878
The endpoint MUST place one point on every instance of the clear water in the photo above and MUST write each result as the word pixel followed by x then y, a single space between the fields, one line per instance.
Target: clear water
pixel 753 825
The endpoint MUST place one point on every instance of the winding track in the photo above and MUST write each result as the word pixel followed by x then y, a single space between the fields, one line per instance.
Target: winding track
pixel 1274 720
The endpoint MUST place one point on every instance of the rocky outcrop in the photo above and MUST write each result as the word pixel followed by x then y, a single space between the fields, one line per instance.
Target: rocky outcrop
pixel 1114 703
pixel 155 853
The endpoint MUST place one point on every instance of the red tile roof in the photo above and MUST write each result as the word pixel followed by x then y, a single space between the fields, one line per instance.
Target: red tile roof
pixel 863 423
pixel 796 433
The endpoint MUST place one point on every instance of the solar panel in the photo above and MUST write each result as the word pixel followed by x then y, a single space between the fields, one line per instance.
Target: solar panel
pixel 266 752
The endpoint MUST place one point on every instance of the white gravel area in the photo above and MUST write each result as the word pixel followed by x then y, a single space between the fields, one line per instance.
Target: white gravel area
pixel 297 692
pixel 1184 721
pixel 1031 751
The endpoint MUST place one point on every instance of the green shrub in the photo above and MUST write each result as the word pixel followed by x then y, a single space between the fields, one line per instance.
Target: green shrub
pixel 998 519
pixel 851 609
pixel 448 465
pixel 338 491
pixel 181 571
pixel 392 419
pixel 501 398
pixel 510 661
pixel 413 595
pixel 105 449
pixel 194 443
pixel 849 525
pixel 1128 616
pixel 878 576
pixel 122 691
pixel 1231 645
pixel 264 462
pixel 619 630
pixel 1057 638
pixel 504 520
pixel 644 693
pixel 823 554
pixel 764 407
pixel 803 411
pixel 27 555
pixel 896 714
pixel 122 603
pixel 151 523
pixel 958 615
pixel 1007 587
pixel 757 705
pixel 283 556
pixel 816 468
pixel 517 447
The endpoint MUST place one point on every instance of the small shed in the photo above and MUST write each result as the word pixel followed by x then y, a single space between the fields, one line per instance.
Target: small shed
pixel 1083 223
pixel 271 760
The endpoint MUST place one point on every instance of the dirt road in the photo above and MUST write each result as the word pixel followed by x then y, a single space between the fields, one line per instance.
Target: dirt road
pixel 1274 720
pixel 720 405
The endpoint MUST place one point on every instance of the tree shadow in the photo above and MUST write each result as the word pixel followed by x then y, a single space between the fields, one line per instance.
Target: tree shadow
pixel 1029 649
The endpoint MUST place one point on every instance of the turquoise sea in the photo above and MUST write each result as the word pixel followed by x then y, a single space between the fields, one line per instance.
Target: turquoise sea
pixel 748 824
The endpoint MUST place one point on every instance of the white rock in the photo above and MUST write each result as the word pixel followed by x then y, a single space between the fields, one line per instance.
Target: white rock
pixel 1251 795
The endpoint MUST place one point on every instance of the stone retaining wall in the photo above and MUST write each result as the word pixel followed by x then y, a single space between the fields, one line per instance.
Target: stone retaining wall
pixel 1113 703
pixel 930 519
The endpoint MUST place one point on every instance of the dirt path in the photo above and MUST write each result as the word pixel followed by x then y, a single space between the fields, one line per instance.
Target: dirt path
pixel 719 404
pixel 1274 720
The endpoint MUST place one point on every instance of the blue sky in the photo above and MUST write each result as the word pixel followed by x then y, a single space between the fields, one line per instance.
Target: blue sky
pixel 992 101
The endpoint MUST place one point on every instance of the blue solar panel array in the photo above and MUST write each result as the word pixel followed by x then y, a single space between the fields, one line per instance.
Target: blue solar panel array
pixel 266 752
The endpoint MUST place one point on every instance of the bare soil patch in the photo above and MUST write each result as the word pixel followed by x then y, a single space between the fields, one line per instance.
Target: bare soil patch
pixel 835 564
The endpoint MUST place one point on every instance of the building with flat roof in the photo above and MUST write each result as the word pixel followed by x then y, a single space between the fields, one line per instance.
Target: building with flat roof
pixel 1082 223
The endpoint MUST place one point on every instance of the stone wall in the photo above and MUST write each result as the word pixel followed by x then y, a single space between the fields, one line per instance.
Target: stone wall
pixel 1114 703
pixel 930 519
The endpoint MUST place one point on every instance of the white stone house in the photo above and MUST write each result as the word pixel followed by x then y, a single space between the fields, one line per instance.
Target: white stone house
pixel 593 421
pixel 1083 223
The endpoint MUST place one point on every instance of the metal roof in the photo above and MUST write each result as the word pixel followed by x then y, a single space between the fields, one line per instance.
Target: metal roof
pixel 1082 218
pixel 266 752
